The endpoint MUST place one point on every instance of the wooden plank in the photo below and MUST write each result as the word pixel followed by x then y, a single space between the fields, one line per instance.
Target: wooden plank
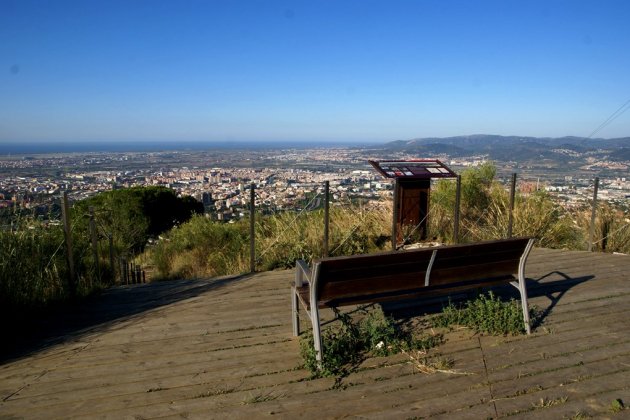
pixel 227 352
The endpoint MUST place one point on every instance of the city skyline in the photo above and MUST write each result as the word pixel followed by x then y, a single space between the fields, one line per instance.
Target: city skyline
pixel 299 71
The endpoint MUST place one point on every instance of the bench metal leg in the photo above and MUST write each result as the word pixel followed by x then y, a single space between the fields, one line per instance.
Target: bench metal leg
pixel 317 337
pixel 523 292
pixel 295 307
pixel 522 287
pixel 528 327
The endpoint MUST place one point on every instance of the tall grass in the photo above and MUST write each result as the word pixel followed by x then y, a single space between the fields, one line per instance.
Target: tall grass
pixel 201 248
pixel 34 272
pixel 485 209
pixel 204 248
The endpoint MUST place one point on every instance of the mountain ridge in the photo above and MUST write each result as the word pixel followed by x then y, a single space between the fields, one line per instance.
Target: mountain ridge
pixel 514 147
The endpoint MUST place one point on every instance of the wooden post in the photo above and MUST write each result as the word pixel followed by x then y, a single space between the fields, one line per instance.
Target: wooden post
pixel 67 233
pixel 326 216
pixel 93 235
pixel 111 256
pixel 512 196
pixel 458 194
pixel 123 270
pixel 252 231
pixel 591 235
pixel 395 215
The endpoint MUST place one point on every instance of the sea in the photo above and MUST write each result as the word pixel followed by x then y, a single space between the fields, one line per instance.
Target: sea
pixel 25 148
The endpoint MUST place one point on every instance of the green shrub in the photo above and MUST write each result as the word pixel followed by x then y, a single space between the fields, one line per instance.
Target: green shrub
pixel 200 248
pixel 487 314
pixel 347 343
pixel 33 269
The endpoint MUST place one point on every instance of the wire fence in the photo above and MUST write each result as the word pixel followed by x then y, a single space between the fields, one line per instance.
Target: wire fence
pixel 503 208
pixel 338 221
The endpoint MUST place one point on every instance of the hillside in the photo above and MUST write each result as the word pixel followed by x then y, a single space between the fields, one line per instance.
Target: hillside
pixel 516 148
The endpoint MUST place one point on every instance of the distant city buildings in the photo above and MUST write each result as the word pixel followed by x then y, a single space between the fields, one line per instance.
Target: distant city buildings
pixel 283 180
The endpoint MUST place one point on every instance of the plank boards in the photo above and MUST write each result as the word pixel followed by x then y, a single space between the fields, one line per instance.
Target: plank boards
pixel 223 348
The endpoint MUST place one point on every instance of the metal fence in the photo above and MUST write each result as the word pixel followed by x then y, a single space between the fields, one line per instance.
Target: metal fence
pixel 455 225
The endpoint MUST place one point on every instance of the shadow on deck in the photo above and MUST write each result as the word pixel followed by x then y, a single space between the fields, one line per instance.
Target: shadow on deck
pixel 99 312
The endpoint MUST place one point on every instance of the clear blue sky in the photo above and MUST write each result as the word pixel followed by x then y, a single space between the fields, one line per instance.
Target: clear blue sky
pixel 310 70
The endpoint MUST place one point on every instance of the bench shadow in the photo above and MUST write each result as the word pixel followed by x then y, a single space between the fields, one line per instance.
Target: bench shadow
pixel 105 310
pixel 554 290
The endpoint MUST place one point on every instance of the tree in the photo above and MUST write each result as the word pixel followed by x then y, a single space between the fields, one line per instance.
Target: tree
pixel 136 214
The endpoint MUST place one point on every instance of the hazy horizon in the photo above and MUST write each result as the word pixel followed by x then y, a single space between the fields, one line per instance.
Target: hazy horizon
pixel 77 146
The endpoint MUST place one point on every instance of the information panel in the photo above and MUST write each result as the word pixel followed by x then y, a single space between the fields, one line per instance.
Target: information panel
pixel 413 169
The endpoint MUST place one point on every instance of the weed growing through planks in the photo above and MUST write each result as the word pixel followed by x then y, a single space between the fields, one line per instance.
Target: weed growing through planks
pixel 348 343
pixel 262 397
pixel 215 392
pixel 580 415
pixel 617 405
pixel 429 365
pixel 546 402
pixel 486 314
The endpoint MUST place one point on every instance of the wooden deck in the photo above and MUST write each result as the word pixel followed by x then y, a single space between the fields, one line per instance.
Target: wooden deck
pixel 223 348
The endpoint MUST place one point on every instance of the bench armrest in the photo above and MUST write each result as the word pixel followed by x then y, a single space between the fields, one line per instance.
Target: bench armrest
pixel 302 273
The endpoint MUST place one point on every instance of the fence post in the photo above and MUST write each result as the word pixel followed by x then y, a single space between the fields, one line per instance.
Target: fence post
pixel 326 216
pixel 252 219
pixel 93 234
pixel 395 215
pixel 591 235
pixel 458 194
pixel 67 233
pixel 512 196
pixel 111 256
pixel 123 271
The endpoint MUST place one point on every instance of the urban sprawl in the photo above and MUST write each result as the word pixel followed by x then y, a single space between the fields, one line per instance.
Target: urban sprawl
pixel 291 179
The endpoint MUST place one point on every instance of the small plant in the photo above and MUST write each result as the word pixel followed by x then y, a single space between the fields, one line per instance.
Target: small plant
pixel 546 402
pixel 429 365
pixel 263 397
pixel 617 405
pixel 348 343
pixel 486 314
pixel 580 415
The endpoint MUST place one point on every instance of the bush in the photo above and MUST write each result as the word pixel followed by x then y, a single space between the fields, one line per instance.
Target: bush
pixel 201 248
pixel 33 269
pixel 347 344
pixel 133 215
pixel 487 314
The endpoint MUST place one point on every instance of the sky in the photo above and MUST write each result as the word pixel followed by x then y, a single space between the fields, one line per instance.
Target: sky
pixel 351 71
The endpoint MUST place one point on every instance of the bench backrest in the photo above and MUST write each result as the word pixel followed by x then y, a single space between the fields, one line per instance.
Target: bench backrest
pixel 344 278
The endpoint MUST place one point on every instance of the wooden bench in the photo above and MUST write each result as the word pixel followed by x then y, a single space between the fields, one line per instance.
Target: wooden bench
pixel 352 280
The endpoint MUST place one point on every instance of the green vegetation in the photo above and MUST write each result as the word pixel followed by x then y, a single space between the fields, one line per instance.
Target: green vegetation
pixel 34 273
pixel 617 405
pixel 484 211
pixel 204 248
pixel 201 248
pixel 487 314
pixel 347 343
pixel 33 269
pixel 134 215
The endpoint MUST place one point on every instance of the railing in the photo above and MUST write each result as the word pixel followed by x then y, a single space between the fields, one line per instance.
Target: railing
pixel 456 225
